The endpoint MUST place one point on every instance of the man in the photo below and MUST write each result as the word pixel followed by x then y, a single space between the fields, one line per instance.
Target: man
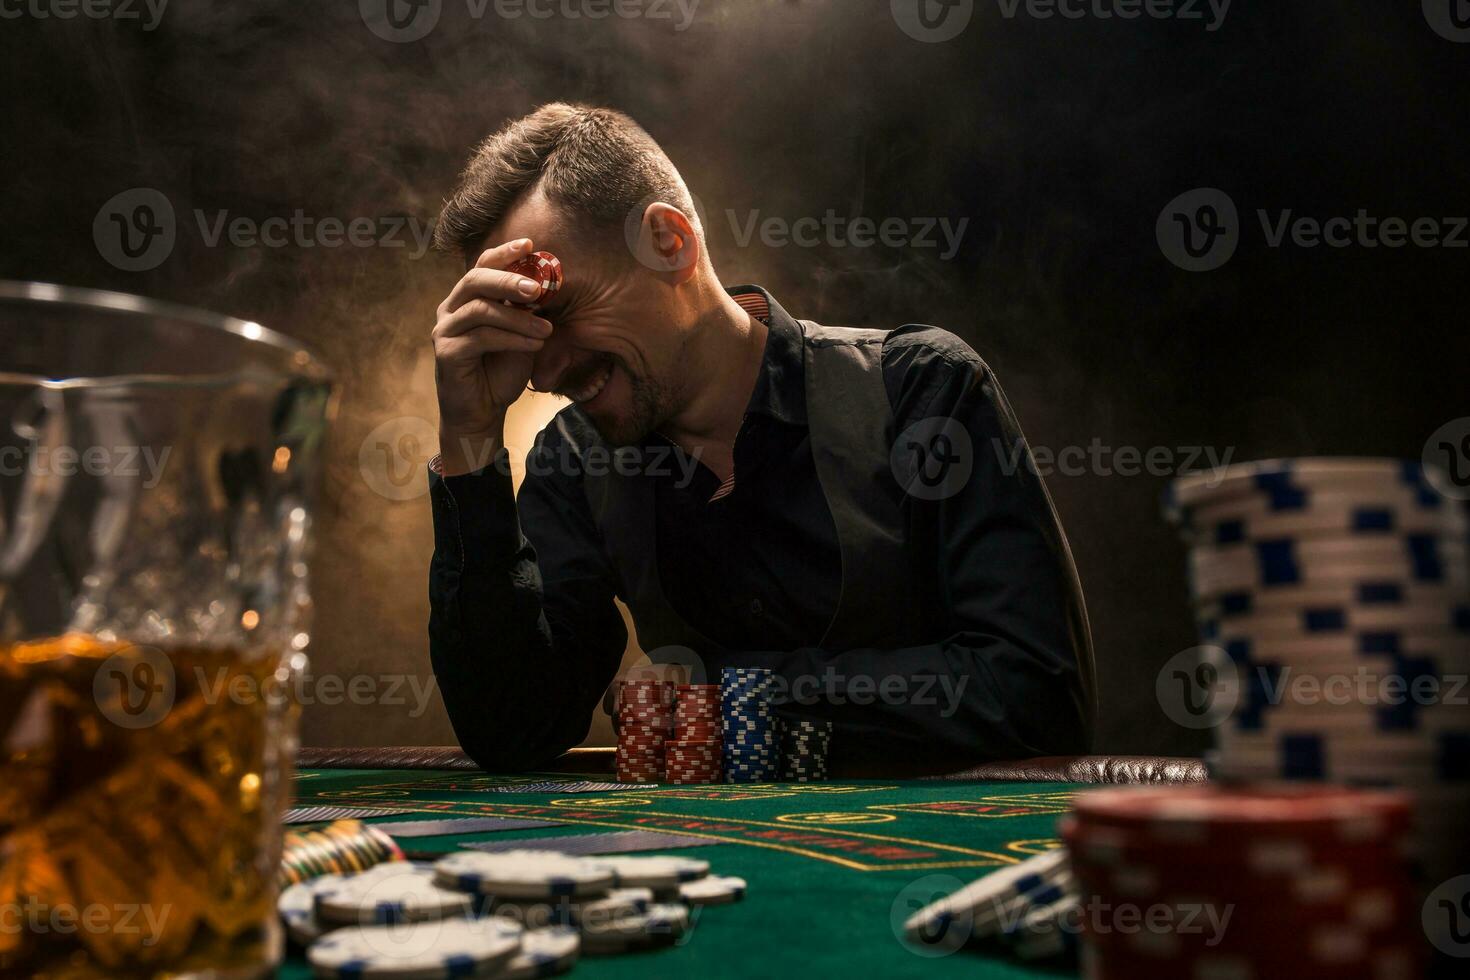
pixel 758 490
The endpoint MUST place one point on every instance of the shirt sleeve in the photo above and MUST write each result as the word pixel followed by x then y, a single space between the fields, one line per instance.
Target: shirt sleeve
pixel 524 633
pixel 1006 679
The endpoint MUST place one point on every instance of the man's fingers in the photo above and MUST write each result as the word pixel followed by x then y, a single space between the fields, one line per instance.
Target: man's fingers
pixel 490 313
pixel 492 284
pixel 479 342
pixel 503 255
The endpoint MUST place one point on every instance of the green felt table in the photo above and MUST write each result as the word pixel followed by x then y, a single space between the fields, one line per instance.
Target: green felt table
pixel 832 867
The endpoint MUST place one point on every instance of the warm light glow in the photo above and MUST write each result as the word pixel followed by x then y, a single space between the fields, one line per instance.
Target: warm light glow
pixel 282 459
pixel 250 619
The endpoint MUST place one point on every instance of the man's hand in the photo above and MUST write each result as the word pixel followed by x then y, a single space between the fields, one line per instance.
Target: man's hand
pixel 483 352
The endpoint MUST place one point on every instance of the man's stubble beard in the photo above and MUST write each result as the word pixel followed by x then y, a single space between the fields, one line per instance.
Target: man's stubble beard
pixel 654 403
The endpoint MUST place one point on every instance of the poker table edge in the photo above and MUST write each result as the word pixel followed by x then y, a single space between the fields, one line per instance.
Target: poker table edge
pixel 1110 769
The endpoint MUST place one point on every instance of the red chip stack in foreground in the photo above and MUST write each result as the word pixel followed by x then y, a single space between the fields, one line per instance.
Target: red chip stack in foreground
pixel 543 267
pixel 694 754
pixel 1246 882
pixel 645 718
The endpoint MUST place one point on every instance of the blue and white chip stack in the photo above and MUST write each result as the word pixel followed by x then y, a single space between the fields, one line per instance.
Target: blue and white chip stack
pixel 1333 596
pixel 748 724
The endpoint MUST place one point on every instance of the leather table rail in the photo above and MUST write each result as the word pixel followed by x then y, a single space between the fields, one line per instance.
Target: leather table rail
pixel 1061 769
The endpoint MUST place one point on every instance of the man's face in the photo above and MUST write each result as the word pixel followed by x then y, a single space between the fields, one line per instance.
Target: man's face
pixel 619 329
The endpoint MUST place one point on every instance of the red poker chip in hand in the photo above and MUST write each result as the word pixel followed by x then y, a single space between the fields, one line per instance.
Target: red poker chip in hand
pixel 543 267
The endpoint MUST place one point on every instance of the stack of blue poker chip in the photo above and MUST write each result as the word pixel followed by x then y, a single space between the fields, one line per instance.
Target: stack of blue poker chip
pixel 804 748
pixel 748 725
pixel 1334 595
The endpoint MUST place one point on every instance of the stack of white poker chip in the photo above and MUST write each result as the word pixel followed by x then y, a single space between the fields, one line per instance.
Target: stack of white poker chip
pixel 512 914
pixel 1333 597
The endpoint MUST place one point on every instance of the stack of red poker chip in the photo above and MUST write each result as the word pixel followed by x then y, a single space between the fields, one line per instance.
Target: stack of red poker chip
pixel 694 754
pixel 645 719
pixel 544 268
pixel 1252 882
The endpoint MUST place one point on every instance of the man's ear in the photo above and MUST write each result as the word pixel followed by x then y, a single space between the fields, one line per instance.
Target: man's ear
pixel 668 243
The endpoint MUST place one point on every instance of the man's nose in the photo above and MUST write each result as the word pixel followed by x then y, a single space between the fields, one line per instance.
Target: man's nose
pixel 551 362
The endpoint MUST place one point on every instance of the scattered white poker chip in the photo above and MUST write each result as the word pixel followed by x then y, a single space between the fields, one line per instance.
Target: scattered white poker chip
pixel 714 890
pixel 297 903
pixel 431 950
pixel 409 894
pixel 544 953
pixel 297 907
pixel 524 874
pixel 537 914
pixel 657 871
pixel 661 925
pixel 982 906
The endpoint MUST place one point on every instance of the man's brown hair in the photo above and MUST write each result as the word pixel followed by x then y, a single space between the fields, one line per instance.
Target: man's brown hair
pixel 596 163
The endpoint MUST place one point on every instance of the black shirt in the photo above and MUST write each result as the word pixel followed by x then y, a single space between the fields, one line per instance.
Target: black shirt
pixel 525 637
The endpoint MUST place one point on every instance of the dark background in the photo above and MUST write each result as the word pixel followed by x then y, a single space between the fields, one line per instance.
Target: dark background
pixel 1060 140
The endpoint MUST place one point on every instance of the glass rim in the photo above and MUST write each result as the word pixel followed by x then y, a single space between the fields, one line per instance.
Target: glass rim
pixel 296 359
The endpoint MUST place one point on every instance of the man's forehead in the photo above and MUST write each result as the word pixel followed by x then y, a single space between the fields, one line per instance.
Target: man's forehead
pixel 532 216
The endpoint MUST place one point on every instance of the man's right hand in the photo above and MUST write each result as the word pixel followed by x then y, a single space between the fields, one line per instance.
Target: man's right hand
pixel 483 354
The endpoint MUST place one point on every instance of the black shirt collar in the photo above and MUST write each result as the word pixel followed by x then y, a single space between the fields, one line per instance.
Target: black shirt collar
pixel 780 389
